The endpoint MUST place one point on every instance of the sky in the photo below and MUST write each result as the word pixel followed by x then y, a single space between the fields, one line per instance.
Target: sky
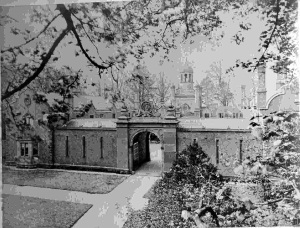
pixel 200 55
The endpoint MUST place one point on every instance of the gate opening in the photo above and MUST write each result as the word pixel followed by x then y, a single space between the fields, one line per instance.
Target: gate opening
pixel 147 154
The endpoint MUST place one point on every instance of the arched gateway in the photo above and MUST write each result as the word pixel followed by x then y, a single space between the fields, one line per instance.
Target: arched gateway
pixel 128 129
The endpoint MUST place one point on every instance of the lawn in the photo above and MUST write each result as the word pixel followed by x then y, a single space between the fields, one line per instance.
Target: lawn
pixel 21 211
pixel 99 183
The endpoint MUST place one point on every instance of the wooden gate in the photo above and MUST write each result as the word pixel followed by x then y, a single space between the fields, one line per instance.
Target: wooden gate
pixel 136 156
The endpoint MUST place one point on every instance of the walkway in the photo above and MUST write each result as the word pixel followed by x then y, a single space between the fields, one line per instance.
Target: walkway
pixel 108 210
pixel 153 167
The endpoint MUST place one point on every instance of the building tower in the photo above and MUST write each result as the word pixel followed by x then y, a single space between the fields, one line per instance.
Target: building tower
pixel 186 78
pixel 198 101
pixel 261 91
pixel 243 94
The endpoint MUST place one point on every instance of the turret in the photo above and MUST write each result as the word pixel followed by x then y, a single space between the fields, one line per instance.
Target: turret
pixel 186 78
pixel 198 101
pixel 261 91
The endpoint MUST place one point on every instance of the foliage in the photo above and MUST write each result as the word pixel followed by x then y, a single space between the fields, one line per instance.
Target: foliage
pixel 181 188
pixel 193 187
pixel 280 134
pixel 92 28
pixel 215 86
pixel 278 40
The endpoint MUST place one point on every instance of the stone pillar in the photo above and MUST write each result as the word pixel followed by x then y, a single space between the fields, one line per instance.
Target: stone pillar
pixel 261 91
pixel 197 100
pixel 136 100
pixel 18 149
pixel 169 146
pixel 173 99
pixel 124 153
pixel 169 138
pixel 30 149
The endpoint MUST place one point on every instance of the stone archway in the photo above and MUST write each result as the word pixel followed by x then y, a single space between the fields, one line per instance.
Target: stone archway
pixel 142 150
pixel 127 129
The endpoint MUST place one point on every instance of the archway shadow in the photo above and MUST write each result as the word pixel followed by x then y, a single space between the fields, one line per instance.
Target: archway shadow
pixel 153 166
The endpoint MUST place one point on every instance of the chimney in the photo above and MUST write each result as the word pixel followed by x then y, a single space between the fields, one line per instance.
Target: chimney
pixel 261 91
pixel 243 94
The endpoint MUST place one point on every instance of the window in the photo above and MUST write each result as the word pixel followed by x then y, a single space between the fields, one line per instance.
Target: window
pixel 67 146
pixel 83 146
pixel 206 115
pixel 24 149
pixel 101 147
pixel 237 115
pixel 226 115
pixel 217 151
pixel 241 150
pixel 233 115
pixel 113 115
pixel 91 116
pixel 101 115
pixel 241 115
pixel 221 115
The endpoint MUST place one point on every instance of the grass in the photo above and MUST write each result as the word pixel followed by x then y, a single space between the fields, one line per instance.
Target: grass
pixel 21 211
pixel 99 183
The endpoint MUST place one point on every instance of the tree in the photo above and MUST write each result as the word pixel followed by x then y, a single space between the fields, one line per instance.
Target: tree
pixel 162 89
pixel 217 88
pixel 278 40
pixel 208 89
pixel 115 24
pixel 122 25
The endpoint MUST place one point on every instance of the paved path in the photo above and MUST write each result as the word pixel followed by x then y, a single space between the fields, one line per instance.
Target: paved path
pixel 108 210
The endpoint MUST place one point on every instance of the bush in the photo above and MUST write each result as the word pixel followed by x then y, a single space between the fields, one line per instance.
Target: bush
pixel 181 188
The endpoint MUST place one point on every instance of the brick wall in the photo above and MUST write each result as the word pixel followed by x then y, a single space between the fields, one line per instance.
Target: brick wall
pixel 92 147
pixel 233 145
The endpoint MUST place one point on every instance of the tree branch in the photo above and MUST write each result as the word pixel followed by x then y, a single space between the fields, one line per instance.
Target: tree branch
pixel 271 36
pixel 164 7
pixel 82 24
pixel 67 15
pixel 28 41
pixel 41 67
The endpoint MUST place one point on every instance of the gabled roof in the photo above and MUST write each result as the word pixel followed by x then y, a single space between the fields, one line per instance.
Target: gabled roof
pixel 99 102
